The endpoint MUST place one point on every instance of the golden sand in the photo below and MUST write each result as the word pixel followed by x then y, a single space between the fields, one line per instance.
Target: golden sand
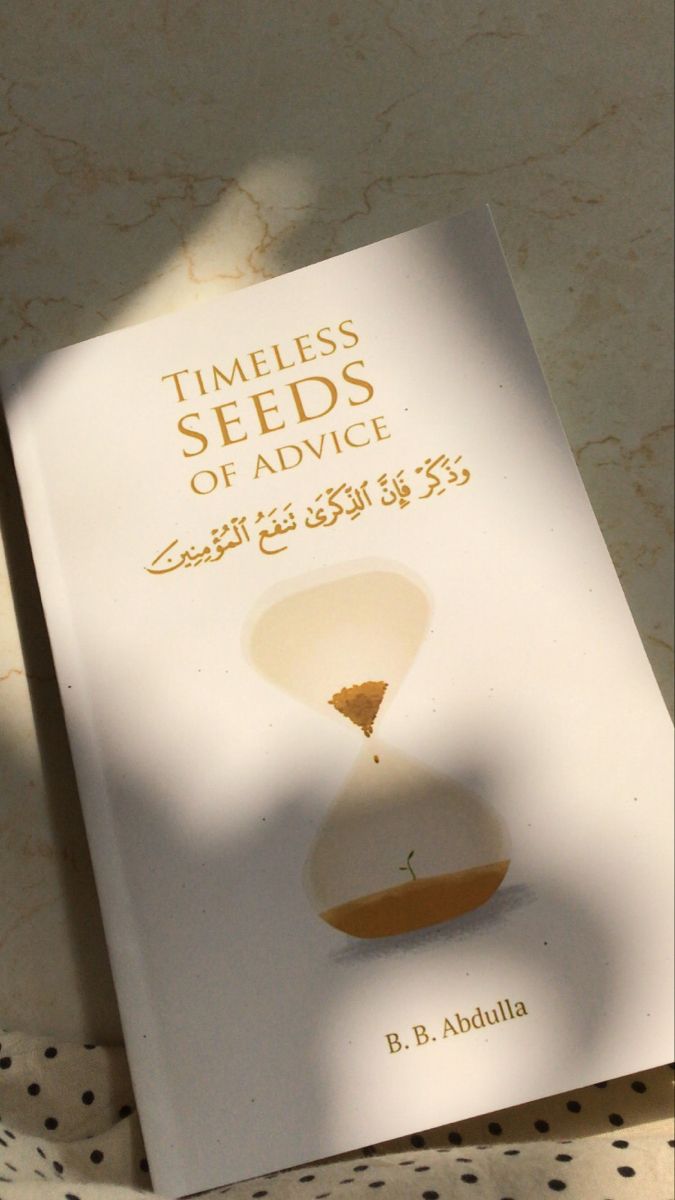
pixel 360 703
pixel 417 903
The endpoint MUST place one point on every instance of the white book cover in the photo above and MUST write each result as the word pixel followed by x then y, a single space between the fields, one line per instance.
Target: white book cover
pixel 375 772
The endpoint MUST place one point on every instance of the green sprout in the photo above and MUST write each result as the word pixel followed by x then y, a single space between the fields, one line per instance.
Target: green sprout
pixel 408 865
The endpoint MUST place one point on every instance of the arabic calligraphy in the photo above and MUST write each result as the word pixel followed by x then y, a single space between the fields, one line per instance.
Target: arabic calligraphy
pixel 271 530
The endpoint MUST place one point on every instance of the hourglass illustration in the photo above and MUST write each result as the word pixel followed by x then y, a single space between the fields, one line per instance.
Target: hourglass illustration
pixel 403 846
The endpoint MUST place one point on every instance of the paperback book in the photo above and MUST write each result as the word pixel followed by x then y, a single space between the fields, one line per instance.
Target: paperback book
pixel 375 773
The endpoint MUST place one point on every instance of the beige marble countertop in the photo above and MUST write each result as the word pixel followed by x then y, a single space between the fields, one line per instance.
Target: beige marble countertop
pixel 159 152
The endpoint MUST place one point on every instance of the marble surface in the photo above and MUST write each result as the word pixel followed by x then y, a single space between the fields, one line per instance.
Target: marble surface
pixel 156 153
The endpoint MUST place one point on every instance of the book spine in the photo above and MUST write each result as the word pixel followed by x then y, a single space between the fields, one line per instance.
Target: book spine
pixel 138 1011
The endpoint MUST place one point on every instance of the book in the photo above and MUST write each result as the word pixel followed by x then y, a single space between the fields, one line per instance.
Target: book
pixel 374 769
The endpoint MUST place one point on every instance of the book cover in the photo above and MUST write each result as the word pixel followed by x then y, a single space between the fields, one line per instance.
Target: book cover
pixel 375 772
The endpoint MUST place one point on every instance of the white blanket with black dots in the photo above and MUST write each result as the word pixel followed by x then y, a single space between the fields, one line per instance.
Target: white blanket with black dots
pixel 69 1131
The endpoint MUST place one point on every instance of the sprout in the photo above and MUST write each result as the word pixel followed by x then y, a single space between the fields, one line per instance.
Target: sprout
pixel 408 865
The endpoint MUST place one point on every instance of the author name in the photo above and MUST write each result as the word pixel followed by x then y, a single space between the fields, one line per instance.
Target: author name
pixel 455 1026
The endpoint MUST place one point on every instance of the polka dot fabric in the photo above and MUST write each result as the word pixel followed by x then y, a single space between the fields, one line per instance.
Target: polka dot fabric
pixel 69 1131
